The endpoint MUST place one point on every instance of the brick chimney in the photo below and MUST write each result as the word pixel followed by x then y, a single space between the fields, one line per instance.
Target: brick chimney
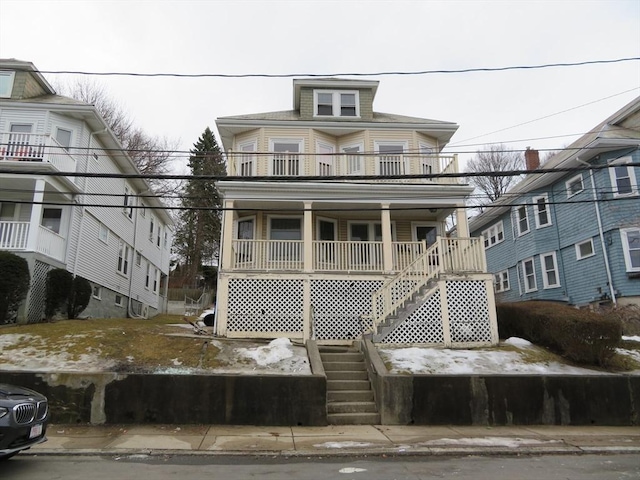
pixel 532 159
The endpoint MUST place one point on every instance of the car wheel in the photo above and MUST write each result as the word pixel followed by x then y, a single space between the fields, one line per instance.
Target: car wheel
pixel 209 319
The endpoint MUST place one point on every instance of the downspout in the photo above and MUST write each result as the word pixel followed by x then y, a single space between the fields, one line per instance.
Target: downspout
pixel 133 255
pixel 605 254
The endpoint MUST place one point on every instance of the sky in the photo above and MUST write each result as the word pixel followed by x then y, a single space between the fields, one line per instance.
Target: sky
pixel 538 108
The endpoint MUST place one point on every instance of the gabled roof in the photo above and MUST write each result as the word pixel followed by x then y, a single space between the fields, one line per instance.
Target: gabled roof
pixel 612 133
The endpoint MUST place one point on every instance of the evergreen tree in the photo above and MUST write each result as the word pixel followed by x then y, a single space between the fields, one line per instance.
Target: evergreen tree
pixel 198 231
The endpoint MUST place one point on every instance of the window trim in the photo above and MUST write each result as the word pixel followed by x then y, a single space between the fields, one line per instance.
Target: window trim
pixel 518 219
pixel 119 300
pixel 102 227
pixel 326 220
pixel 392 143
pixel 336 104
pixel 330 155
pixel 127 200
pixel 579 255
pixel 287 217
pixel 360 158
pixel 569 182
pixel 300 153
pixel 504 276
pixel 545 280
pixel 630 172
pixel 240 156
pixel 487 239
pixel 371 229
pixel 624 237
pixel 536 210
pixel 11 76
pixel 70 132
pixel 524 275
pixel 122 265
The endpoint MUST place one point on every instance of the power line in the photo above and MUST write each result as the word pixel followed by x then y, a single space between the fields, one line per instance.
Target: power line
pixel 342 74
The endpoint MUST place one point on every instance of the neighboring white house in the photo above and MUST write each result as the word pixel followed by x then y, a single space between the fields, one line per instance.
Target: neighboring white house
pixel 111 231
pixel 332 226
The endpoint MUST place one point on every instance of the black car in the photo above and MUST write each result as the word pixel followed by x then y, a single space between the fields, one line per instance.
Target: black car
pixel 23 419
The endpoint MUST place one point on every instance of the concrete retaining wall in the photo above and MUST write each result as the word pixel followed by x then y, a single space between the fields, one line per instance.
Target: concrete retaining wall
pixel 182 399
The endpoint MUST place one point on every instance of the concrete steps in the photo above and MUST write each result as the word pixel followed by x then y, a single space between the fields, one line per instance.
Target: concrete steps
pixel 350 400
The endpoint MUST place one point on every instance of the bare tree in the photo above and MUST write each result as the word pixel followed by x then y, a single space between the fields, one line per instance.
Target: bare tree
pixel 152 155
pixel 492 160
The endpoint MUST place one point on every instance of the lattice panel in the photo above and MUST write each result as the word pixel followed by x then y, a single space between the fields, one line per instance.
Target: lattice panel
pixel 468 311
pixel 338 307
pixel 265 305
pixel 423 326
pixel 38 292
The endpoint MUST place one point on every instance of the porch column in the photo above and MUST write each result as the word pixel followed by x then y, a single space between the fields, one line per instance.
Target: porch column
pixel 387 248
pixel 227 235
pixel 36 215
pixel 462 222
pixel 308 237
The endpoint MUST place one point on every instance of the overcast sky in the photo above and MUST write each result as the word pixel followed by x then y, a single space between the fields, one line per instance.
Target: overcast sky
pixel 326 37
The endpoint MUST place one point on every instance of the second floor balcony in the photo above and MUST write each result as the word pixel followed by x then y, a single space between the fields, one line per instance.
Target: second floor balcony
pixel 20 237
pixel 396 167
pixel 35 148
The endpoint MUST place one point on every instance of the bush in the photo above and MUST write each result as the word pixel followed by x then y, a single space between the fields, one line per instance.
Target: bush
pixel 80 297
pixel 579 335
pixel 14 284
pixel 58 290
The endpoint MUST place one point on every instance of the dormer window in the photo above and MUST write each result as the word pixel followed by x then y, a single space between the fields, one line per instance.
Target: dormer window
pixel 336 103
pixel 6 83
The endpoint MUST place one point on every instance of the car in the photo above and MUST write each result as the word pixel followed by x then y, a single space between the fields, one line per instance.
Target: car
pixel 208 316
pixel 24 414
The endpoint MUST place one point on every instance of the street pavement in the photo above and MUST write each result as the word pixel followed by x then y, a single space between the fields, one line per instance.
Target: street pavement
pixel 335 440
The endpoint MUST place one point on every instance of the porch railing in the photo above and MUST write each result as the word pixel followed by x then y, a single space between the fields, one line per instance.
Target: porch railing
pixel 350 164
pixel 446 255
pixel 347 256
pixel 268 255
pixel 34 147
pixel 15 236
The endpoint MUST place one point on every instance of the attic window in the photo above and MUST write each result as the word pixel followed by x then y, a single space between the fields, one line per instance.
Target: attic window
pixel 330 103
pixel 6 84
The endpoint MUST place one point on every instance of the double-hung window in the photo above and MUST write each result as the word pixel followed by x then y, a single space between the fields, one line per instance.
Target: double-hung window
pixel 623 178
pixel 529 273
pixel 324 159
pixel 128 201
pixel 574 185
pixel 549 266
pixel 541 210
pixel 336 103
pixel 522 220
pixel 152 222
pixel 493 235
pixel 501 281
pixel 631 248
pixel 247 159
pixel 123 258
pixel 286 157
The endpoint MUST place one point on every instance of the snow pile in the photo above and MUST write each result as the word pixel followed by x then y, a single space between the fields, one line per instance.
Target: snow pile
pixel 277 351
pixel 343 445
pixel 487 442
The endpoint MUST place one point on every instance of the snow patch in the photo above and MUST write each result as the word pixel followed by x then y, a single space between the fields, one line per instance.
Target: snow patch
pixel 487 442
pixel 343 445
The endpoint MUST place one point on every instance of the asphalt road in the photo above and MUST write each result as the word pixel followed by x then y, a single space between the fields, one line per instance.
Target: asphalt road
pixel 142 467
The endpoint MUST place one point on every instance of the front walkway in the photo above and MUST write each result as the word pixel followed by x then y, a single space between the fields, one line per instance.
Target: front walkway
pixel 335 440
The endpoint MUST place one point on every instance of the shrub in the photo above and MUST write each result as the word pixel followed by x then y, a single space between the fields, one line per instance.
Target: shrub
pixel 79 298
pixel 14 284
pixel 58 289
pixel 579 335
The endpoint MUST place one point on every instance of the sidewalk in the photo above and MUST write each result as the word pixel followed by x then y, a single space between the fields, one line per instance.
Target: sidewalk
pixel 334 440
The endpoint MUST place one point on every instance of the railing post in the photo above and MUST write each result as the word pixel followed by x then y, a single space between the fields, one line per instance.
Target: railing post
pixel 307 247
pixel 387 247
pixel 462 229
pixel 36 215
pixel 227 242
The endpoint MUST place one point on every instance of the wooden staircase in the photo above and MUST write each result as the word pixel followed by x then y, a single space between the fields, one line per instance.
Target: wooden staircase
pixel 350 400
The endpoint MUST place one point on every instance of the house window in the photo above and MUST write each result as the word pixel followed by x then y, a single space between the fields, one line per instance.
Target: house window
pixel 96 292
pixel 103 233
pixel 522 220
pixel 493 235
pixel 541 210
pixel 336 103
pixel 128 202
pixel 631 248
pixel 148 276
pixel 549 270
pixel 158 235
pixel 6 84
pixel 285 230
pixel 427 160
pixel 142 210
pixel 155 280
pixel 574 185
pixel 286 157
pixel 246 159
pixel 51 218
pixel 123 258
pixel 166 238
pixel 529 272
pixel 353 157
pixel 63 137
pixel 584 249
pixel 244 252
pixel 623 179
pixel 119 301
pixel 138 259
pixel 390 159
pixel 428 233
pixel 324 159
pixel 152 222
pixel 501 281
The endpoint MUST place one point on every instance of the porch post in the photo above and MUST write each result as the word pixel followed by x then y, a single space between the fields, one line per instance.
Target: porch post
pixel 36 215
pixel 462 221
pixel 308 237
pixel 387 248
pixel 227 235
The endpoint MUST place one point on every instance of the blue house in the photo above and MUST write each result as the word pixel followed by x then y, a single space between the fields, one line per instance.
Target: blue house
pixel 572 233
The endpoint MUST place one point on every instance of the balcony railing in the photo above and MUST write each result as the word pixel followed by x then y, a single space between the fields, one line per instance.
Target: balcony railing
pixel 15 236
pixel 353 164
pixel 33 147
